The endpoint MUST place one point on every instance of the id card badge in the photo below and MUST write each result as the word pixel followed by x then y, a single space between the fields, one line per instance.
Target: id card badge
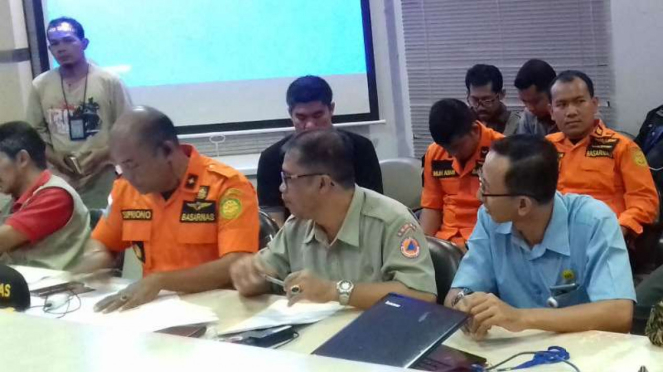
pixel 76 128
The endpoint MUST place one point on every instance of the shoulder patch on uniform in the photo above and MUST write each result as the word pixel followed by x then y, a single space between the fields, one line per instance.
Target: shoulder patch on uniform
pixel 410 248
pixel 405 228
pixel 231 204
pixel 639 158
pixel 443 169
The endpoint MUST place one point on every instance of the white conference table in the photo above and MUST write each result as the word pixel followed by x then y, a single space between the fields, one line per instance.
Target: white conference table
pixel 58 345
pixel 590 351
pixel 38 344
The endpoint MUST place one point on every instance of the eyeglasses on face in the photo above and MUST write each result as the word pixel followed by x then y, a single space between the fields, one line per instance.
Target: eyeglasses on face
pixel 482 190
pixel 484 101
pixel 286 178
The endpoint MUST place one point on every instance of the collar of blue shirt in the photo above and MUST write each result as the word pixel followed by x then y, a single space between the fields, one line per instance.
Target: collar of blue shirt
pixel 555 239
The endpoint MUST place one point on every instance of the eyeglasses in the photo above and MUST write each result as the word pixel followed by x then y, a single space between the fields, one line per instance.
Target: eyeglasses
pixel 285 178
pixel 485 101
pixel 483 193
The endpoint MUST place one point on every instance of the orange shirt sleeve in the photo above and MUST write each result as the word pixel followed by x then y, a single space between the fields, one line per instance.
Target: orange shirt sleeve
pixel 238 223
pixel 640 195
pixel 109 228
pixel 432 196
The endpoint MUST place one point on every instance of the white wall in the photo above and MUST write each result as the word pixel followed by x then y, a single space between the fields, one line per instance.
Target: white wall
pixel 395 138
pixel 392 139
pixel 14 77
pixel 637 33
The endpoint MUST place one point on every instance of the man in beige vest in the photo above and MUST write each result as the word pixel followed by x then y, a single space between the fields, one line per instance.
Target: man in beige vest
pixel 46 224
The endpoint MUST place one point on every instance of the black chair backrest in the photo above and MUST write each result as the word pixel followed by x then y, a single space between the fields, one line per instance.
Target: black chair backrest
pixel 446 258
pixel 268 229
pixel 95 216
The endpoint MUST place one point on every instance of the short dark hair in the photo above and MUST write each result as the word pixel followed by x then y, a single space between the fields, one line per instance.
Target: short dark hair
pixel 533 170
pixel 480 75
pixel 327 151
pixel 158 129
pixel 535 72
pixel 18 135
pixel 307 89
pixel 449 120
pixel 80 32
pixel 570 75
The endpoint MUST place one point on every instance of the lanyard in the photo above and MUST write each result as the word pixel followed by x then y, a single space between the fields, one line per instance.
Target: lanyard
pixel 84 90
pixel 554 354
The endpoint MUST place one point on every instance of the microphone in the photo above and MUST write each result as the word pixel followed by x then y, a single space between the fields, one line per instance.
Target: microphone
pixel 14 292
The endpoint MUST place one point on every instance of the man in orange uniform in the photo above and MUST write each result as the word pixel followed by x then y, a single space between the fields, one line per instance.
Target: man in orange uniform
pixel 186 216
pixel 451 167
pixel 597 161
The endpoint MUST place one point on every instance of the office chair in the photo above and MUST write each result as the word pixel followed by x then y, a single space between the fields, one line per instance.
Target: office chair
pixel 446 259
pixel 401 180
pixel 268 229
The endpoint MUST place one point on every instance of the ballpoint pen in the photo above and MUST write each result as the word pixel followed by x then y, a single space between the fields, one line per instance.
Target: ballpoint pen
pixel 294 289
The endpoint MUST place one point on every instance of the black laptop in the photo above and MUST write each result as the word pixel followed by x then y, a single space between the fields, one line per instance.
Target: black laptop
pixel 399 331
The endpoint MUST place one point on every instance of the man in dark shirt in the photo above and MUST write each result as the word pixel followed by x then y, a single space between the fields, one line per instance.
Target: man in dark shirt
pixel 310 106
pixel 532 82
pixel 485 93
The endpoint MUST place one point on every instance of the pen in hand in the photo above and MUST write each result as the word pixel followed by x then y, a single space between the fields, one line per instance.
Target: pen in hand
pixel 294 289
pixel 273 280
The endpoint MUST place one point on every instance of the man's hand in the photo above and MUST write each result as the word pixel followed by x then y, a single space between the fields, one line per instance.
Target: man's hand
pixel 486 311
pixel 311 288
pixel 134 295
pixel 247 276
pixel 92 161
pixel 61 165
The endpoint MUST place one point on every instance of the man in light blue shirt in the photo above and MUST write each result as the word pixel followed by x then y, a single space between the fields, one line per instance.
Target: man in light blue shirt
pixel 538 259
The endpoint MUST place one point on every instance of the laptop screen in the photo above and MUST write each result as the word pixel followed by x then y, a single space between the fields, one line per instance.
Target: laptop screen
pixel 396 331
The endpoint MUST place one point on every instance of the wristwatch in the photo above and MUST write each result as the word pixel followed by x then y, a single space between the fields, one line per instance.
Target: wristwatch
pixel 459 296
pixel 344 289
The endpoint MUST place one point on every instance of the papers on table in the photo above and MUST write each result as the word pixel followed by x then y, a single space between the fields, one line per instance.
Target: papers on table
pixel 167 311
pixel 279 313
pixel 38 278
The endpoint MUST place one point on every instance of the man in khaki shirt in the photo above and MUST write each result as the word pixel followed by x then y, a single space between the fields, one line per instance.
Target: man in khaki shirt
pixel 344 243
pixel 73 108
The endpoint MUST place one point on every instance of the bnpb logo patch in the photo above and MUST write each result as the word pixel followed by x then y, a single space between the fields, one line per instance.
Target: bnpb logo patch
pixel 410 248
